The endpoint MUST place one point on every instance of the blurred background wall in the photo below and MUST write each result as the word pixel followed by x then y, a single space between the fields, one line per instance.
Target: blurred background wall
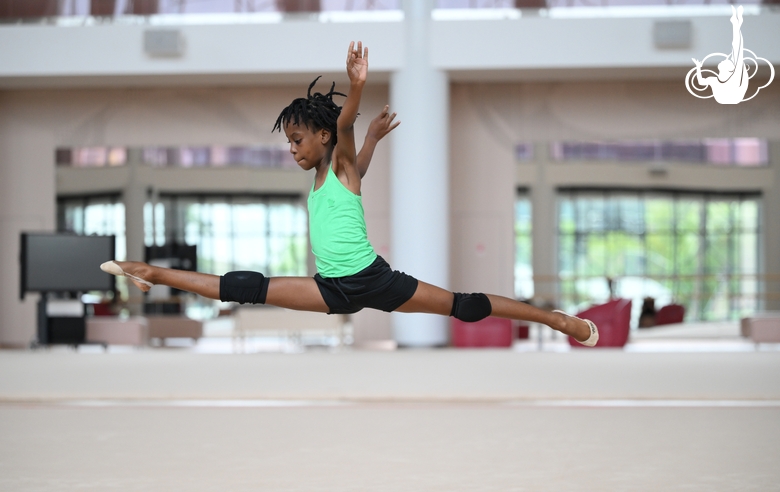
pixel 520 82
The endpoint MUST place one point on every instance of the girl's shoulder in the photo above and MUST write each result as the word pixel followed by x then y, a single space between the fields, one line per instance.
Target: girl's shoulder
pixel 348 175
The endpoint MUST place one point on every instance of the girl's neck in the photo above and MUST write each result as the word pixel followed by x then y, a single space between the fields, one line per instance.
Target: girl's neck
pixel 322 167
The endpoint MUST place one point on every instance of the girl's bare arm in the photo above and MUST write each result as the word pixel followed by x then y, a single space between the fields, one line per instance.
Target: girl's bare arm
pixel 379 127
pixel 344 159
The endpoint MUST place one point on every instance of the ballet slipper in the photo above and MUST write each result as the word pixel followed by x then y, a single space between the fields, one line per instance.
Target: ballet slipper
pixel 594 332
pixel 114 269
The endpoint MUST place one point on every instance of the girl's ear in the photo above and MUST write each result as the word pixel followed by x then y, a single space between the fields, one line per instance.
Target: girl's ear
pixel 325 136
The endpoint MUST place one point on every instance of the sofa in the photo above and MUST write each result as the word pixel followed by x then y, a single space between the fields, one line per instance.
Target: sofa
pixel 140 330
pixel 762 327
pixel 256 320
pixel 670 314
pixel 489 332
pixel 113 330
pixel 163 326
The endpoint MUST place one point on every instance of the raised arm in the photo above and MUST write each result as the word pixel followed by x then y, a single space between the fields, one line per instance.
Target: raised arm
pixel 379 127
pixel 344 159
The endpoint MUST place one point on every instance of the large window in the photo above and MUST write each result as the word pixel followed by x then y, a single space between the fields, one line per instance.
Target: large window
pixel 697 249
pixel 102 215
pixel 188 156
pixel 258 233
pixel 90 156
pixel 742 152
pixel 99 215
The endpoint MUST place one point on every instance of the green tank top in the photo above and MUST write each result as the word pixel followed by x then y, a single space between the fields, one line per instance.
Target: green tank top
pixel 337 229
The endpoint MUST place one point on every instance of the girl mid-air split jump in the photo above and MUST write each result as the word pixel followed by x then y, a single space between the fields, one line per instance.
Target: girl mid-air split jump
pixel 351 275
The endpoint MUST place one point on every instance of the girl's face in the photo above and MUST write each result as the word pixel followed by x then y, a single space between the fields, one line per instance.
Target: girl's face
pixel 307 147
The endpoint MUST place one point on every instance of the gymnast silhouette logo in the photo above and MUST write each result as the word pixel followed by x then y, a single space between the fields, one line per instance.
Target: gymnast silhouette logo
pixel 730 84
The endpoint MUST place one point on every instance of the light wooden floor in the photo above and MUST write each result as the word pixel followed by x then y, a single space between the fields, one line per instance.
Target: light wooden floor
pixel 408 420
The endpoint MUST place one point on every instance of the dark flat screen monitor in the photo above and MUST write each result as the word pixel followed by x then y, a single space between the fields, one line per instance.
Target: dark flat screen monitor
pixel 65 262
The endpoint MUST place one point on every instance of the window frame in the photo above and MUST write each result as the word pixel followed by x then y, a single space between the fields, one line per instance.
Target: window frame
pixel 704 235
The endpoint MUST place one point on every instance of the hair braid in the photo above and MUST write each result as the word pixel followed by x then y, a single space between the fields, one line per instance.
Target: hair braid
pixel 317 111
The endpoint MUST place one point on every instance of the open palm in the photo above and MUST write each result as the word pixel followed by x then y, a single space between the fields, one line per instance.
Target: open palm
pixel 357 62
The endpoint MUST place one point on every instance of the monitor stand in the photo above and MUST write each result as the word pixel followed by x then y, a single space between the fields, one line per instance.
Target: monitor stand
pixel 60 322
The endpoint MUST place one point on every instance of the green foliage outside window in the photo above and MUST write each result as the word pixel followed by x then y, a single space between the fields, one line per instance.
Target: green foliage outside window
pixel 524 284
pixel 699 250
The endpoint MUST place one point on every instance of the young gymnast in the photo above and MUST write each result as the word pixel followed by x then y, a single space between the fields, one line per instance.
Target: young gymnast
pixel 351 276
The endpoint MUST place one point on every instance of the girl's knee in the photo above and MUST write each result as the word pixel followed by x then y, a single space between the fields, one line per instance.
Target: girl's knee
pixel 242 287
pixel 471 307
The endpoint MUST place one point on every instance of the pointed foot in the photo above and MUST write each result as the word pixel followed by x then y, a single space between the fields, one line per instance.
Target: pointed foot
pixel 114 268
pixel 593 332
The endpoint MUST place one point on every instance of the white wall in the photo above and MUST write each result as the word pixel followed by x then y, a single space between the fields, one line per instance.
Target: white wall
pixel 503 49
pixel 37 54
pixel 473 48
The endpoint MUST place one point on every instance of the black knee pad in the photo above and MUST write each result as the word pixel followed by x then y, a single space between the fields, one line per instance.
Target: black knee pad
pixel 471 307
pixel 241 287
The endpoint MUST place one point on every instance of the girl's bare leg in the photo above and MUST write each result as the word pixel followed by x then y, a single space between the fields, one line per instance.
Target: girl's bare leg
pixel 434 300
pixel 202 284
pixel 300 293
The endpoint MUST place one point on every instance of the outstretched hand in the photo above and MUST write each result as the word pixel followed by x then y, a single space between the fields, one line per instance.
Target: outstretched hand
pixel 357 62
pixel 697 62
pixel 382 124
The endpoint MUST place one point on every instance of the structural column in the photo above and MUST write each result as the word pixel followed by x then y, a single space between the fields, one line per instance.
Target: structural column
pixel 419 181
pixel 134 197
pixel 27 204
pixel 770 213
pixel 544 233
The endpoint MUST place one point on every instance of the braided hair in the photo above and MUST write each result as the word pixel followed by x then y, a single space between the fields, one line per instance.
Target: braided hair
pixel 317 111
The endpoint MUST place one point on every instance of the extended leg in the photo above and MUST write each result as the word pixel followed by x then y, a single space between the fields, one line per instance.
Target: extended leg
pixel 434 300
pixel 202 284
pixel 300 293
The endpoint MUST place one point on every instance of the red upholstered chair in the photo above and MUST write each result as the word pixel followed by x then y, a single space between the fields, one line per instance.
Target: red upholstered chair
pixel 613 320
pixel 102 309
pixel 673 313
pixel 489 332
pixel 523 330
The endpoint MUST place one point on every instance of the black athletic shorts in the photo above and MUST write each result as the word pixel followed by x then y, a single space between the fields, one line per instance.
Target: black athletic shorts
pixel 377 286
